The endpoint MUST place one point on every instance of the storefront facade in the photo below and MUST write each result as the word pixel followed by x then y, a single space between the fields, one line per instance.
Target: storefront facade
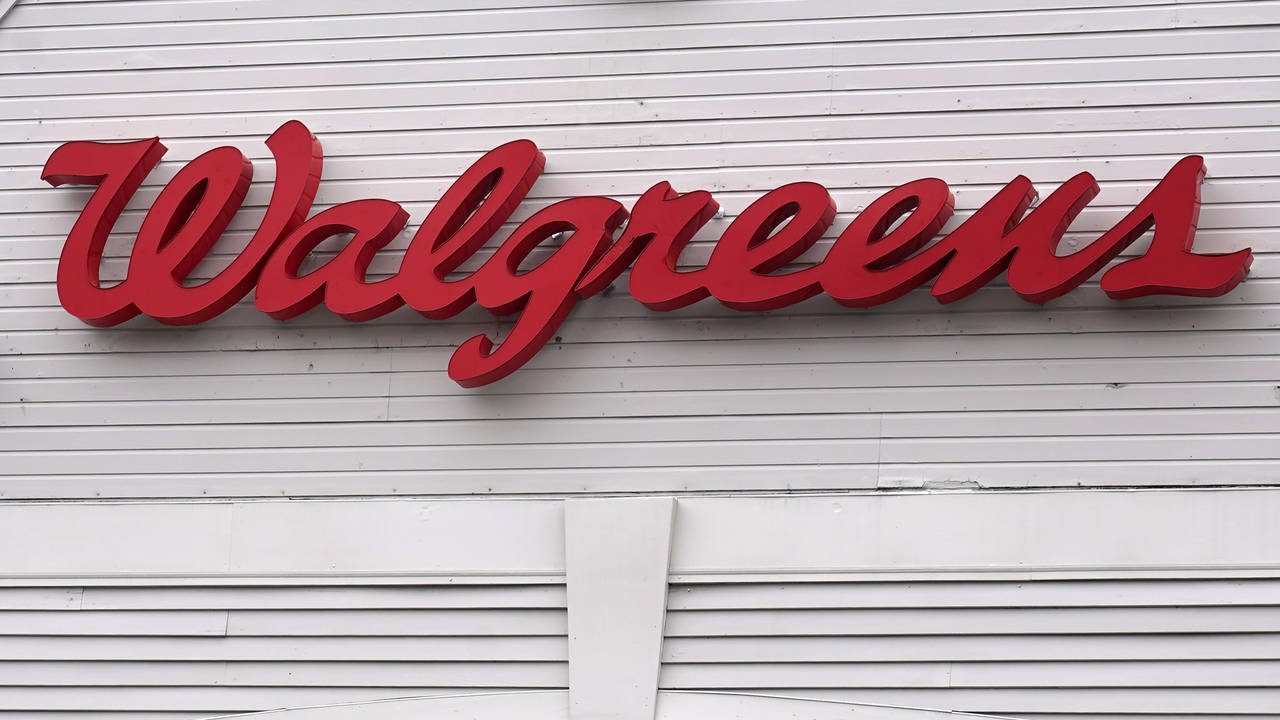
pixel 1059 509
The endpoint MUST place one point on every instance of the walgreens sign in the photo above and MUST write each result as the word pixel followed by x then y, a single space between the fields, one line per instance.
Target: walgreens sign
pixel 883 254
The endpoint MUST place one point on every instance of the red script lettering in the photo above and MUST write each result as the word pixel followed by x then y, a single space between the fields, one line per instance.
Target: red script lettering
pixel 884 253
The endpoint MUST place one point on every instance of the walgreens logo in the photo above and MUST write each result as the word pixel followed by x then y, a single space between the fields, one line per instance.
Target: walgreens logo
pixel 884 253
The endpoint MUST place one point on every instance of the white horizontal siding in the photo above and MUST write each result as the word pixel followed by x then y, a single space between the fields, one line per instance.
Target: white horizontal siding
pixel 733 96
pixel 1067 603
pixel 209 608
pixel 363 642
pixel 814 597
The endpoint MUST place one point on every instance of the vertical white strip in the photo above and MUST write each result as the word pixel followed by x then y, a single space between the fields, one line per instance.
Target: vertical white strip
pixel 616 554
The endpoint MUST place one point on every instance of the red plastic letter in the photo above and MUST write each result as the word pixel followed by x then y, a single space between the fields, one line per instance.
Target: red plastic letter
pixel 464 218
pixel 664 222
pixel 862 268
pixel 117 169
pixel 543 295
pixel 752 246
pixel 193 210
pixel 282 294
pixel 998 236
pixel 655 214
pixel 183 223
pixel 1169 267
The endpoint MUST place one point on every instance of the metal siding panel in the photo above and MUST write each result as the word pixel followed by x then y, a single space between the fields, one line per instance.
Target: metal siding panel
pixel 379 648
pixel 735 96
pixel 972 648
